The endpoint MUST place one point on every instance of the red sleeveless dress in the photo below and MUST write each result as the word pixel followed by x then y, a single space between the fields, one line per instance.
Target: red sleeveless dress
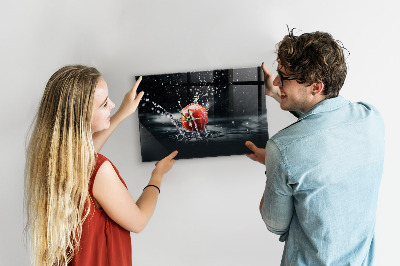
pixel 103 241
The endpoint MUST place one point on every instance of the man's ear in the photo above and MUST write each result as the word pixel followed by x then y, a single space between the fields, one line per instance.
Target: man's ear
pixel 317 88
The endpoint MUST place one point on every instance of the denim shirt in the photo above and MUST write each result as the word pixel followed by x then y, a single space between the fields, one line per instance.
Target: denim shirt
pixel 323 176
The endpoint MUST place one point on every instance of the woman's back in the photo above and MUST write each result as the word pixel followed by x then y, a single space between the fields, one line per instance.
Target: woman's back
pixel 103 242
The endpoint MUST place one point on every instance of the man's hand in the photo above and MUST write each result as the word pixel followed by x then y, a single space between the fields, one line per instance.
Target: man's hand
pixel 270 89
pixel 258 155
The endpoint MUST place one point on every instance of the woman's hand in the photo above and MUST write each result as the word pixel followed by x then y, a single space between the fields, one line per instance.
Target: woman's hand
pixel 163 166
pixel 128 107
pixel 131 101
pixel 270 89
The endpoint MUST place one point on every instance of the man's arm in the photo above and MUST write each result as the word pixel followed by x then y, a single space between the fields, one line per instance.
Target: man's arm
pixel 270 89
pixel 128 106
pixel 274 91
pixel 276 211
pixel 276 206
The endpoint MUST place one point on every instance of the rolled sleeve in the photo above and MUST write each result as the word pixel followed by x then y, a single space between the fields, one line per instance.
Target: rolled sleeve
pixel 277 208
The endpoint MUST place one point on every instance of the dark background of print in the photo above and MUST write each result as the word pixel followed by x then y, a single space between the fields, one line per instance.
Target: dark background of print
pixel 235 100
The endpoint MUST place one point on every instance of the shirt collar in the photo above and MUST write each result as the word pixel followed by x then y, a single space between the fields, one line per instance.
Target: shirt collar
pixel 325 106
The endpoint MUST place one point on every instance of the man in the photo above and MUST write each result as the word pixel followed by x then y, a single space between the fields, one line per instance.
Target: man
pixel 323 171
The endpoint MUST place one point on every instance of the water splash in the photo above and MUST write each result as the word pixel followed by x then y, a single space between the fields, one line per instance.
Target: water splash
pixel 182 134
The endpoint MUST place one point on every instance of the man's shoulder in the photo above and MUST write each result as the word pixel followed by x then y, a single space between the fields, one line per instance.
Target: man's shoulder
pixel 367 108
pixel 322 123
pixel 289 135
pixel 368 114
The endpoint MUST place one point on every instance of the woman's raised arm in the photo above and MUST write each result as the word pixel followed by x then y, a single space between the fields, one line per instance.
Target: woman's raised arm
pixel 128 107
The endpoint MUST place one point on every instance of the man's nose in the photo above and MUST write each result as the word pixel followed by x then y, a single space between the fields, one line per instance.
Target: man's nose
pixel 277 81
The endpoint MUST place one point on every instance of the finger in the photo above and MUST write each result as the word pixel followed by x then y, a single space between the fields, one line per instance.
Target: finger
pixel 251 156
pixel 156 163
pixel 139 97
pixel 265 69
pixel 136 85
pixel 251 146
pixel 172 155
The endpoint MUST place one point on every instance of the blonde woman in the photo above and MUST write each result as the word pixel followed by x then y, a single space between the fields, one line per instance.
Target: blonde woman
pixel 79 211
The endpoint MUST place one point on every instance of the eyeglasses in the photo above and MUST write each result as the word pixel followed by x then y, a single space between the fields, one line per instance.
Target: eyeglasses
pixel 282 78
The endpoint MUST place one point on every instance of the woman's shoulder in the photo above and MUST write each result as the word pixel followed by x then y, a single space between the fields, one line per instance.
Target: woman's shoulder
pixel 99 161
pixel 100 158
pixel 105 167
pixel 102 164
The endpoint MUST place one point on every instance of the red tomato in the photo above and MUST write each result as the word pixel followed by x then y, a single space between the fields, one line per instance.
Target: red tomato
pixel 194 117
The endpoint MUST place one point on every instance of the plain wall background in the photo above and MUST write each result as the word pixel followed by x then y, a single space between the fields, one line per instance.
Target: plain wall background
pixel 208 209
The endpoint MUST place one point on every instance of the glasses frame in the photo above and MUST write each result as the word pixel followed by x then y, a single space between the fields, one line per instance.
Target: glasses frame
pixel 282 78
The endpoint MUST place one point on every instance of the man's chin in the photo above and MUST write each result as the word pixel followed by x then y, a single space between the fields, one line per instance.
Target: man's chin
pixel 285 108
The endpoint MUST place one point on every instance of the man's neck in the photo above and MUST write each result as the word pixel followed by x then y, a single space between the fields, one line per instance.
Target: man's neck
pixel 316 100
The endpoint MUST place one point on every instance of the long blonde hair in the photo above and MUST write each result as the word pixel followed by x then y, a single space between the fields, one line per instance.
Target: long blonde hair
pixel 59 162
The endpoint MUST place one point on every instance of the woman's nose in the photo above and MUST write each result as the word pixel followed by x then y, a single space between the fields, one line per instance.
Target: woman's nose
pixel 112 105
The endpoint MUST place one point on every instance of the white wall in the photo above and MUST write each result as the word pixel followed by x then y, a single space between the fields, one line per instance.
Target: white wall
pixel 208 208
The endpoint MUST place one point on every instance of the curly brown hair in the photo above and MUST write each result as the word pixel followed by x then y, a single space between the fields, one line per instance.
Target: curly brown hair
pixel 314 57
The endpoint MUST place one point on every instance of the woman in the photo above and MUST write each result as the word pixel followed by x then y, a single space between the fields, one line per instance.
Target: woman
pixel 78 207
